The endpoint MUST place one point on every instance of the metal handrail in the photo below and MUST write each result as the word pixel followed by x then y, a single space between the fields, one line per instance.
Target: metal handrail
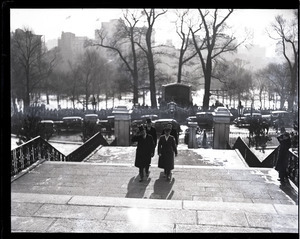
pixel 32 151
pixel 270 161
pixel 293 167
pixel 87 148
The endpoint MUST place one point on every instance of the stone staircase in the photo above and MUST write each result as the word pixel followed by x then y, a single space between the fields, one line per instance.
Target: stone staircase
pixel 97 197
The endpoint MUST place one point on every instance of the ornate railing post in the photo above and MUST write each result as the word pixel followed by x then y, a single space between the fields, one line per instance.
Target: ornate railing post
pixel 293 167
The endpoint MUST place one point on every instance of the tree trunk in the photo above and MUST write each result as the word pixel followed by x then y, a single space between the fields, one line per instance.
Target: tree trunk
pixel 207 80
pixel 27 94
pixel 57 99
pixel 206 94
pixel 294 88
pixel 179 73
pixel 152 83
pixel 86 101
pixel 135 72
pixel 135 87
pixel 151 69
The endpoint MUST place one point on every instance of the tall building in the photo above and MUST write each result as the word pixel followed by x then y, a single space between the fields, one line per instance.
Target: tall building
pixel 108 29
pixel 70 46
pixel 30 36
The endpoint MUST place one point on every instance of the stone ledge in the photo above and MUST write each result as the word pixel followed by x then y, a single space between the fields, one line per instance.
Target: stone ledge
pixel 259 208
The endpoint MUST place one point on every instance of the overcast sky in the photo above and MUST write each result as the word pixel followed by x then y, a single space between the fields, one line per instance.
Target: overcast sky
pixel 83 22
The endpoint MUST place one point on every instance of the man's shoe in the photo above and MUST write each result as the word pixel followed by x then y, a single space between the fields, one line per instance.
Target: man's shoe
pixel 141 179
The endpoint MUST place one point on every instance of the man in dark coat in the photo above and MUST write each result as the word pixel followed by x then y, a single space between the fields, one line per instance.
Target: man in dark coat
pixel 166 149
pixel 144 151
pixel 282 161
pixel 151 130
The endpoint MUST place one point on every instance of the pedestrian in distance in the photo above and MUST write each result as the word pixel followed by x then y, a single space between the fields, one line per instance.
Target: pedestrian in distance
pixel 282 161
pixel 166 149
pixel 204 140
pixel 144 151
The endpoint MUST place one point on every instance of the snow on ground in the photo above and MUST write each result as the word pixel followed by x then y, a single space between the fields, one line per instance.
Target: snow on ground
pixel 186 156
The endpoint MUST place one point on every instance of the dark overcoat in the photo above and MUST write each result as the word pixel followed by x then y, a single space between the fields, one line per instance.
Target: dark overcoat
pixel 282 161
pixel 173 133
pixel 144 150
pixel 152 132
pixel 166 148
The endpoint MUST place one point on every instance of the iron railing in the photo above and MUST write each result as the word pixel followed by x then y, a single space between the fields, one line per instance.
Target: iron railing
pixel 87 148
pixel 293 167
pixel 32 151
pixel 270 161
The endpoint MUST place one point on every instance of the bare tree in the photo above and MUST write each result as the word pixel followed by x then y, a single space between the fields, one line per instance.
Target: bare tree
pixel 151 16
pixel 287 36
pixel 50 86
pixel 29 57
pixel 183 32
pixel 89 68
pixel 236 79
pixel 72 82
pixel 124 37
pixel 214 43
pixel 260 83
pixel 277 75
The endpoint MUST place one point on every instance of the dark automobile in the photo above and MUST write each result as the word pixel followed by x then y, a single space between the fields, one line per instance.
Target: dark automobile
pixel 152 117
pixel 160 124
pixel 91 118
pixel 106 125
pixel 281 118
pixel 205 119
pixel 178 93
pixel 58 125
pixel 46 128
pixel 73 123
pixel 192 118
pixel 240 121
pixel 267 118
pixel 250 117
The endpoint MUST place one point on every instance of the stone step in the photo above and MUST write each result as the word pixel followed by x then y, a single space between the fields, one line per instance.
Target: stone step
pixel 36 212
pixel 194 183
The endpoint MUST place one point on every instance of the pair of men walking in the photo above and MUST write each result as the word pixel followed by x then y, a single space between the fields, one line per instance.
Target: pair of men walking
pixel 167 147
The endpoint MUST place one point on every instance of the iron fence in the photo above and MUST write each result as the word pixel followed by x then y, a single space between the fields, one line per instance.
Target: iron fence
pixel 293 167
pixel 32 151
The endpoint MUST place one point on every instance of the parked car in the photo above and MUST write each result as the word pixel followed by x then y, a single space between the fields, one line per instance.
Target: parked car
pixel 92 118
pixel 152 117
pixel 240 121
pixel 161 123
pixel 46 128
pixel 250 117
pixel 192 118
pixel 282 118
pixel 107 125
pixel 205 119
pixel 267 118
pixel 73 123
pixel 58 125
